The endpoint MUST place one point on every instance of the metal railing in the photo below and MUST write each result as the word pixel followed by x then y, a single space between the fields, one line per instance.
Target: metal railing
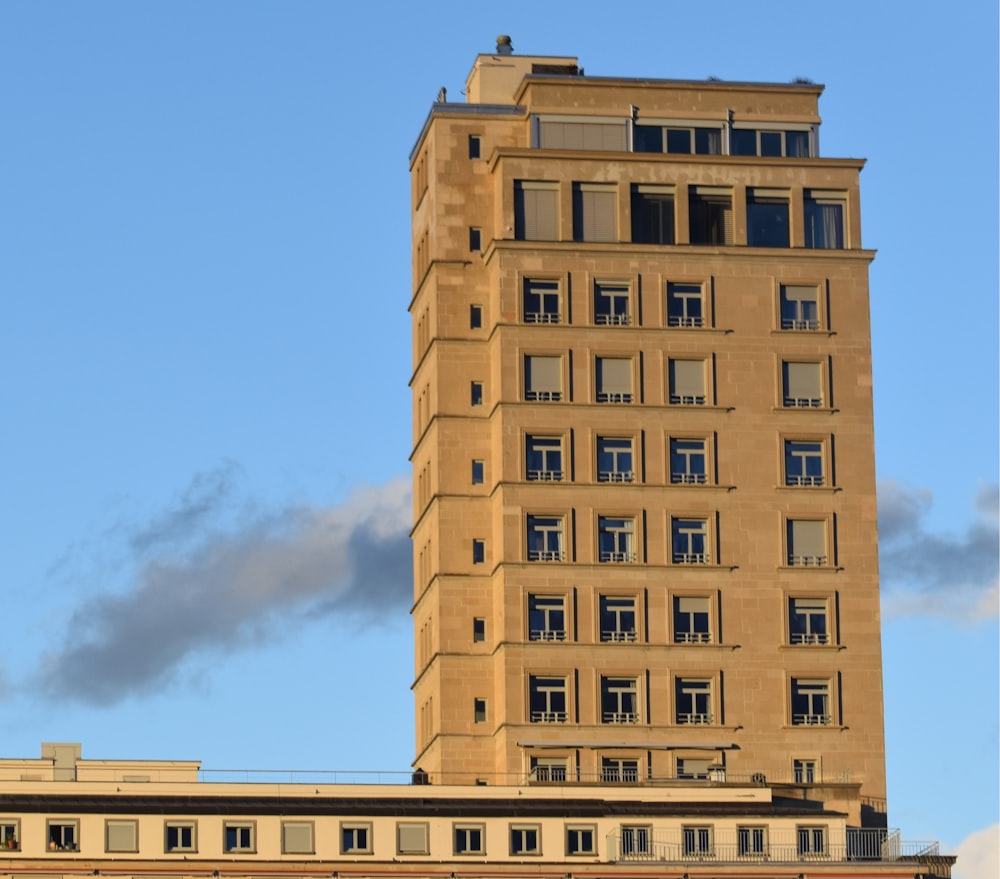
pixel 690 558
pixel 680 321
pixel 547 635
pixel 788 323
pixel 543 396
pixel 548 716
pixel 618 556
pixel 546 555
pixel 809 638
pixel 803 480
pixel 807 561
pixel 688 478
pixel 692 637
pixel 545 476
pixel 619 636
pixel 811 720
pixel 541 317
pixel 619 717
pixel 689 399
pixel 614 396
pixel 695 718
pixel 803 402
pixel 615 476
pixel 612 320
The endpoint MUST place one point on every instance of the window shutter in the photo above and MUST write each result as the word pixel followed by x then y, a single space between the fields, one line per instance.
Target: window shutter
pixel 536 211
pixel 412 839
pixel 687 378
pixel 122 836
pixel 582 136
pixel 594 209
pixel 297 837
pixel 614 375
pixel 807 537
pixel 802 381
pixel 692 605
pixel 543 374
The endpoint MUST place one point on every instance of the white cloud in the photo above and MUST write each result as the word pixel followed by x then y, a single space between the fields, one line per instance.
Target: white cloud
pixel 979 855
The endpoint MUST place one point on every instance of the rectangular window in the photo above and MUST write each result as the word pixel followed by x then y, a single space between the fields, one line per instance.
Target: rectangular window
pixel 693 768
pixel 470 839
pixel 810 702
pixel 475 317
pixel 475 146
pixel 478 629
pixel 677 139
pixel 547 699
pixel 63 835
pixel 536 211
pixel 614 379
pixel 693 700
pixel 692 622
pixel 478 472
pixel 767 218
pixel 541 301
pixel 615 459
pixel 595 212
pixel 559 135
pixel 548 769
pixel 619 770
pixel 799 308
pixel 542 378
pixel 685 305
pixel 754 142
pixel 10 835
pixel 525 839
pixel 475 239
pixel 121 835
pixel 636 841
pixel 298 838
pixel 543 458
pixel 546 618
pixel 804 463
pixel 804 771
pixel 688 461
pixel 711 215
pixel 355 838
pixel 653 215
pixel 545 539
pixel 808 621
pixel 802 385
pixel 751 842
pixel 687 382
pixel 697 841
pixel 412 838
pixel 616 539
pixel 479 710
pixel 238 836
pixel 689 539
pixel 611 304
pixel 580 839
pixel 619 700
pixel 476 393
pixel 618 618
pixel 478 552
pixel 824 219
pixel 811 841
pixel 807 543
pixel 180 836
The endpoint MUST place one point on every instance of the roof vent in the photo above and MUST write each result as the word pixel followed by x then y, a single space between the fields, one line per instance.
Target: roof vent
pixel 504 45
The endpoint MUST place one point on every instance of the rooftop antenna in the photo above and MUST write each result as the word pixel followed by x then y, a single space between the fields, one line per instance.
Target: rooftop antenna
pixel 504 45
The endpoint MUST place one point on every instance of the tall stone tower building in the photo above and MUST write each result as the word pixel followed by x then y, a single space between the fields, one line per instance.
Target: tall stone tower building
pixel 644 499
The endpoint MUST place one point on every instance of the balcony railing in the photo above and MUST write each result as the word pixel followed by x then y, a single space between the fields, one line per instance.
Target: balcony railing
pixel 684 321
pixel 545 476
pixel 809 638
pixel 694 718
pixel 689 399
pixel 548 716
pixel 612 320
pixel 803 480
pixel 619 717
pixel 788 323
pixel 619 556
pixel 614 396
pixel 690 558
pixel 807 561
pixel 547 635
pixel 541 317
pixel 692 637
pixel 803 402
pixel 543 396
pixel 688 478
pixel 615 476
pixel 619 635
pixel 546 555
pixel 811 720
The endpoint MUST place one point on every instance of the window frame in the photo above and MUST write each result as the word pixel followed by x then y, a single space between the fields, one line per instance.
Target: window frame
pixel 806 770
pixel 544 445
pixel 552 608
pixel 478 476
pixel 810 834
pixel 287 848
pixel 677 383
pixel 792 317
pixel 640 846
pixel 801 457
pixel 595 212
pixel 617 292
pixel 466 829
pixel 478 551
pixel 113 824
pixel 580 850
pixel 179 826
pixel 548 684
pixel 549 292
pixel 551 529
pixel 654 214
pixel 790 383
pixel 697 840
pixel 619 634
pixel 412 826
pixel 480 709
pixel 694 688
pixel 357 846
pixel 546 769
pixel 692 635
pixel 525 831
pixel 711 216
pixel 814 199
pixel 603 447
pixel 620 770
pixel 797 557
pixel 51 824
pixel 809 638
pixel 238 826
pixel 619 699
pixel 682 293
pixel 536 217
pixel 538 395
pixel 617 539
pixel 477 393
pixel 751 841
pixel 765 227
pixel 809 689
pixel 603 365
pixel 689 475
pixel 691 556
pixel 10 831
pixel 475 316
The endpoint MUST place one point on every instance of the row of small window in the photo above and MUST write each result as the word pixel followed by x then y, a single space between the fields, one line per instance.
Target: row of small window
pixel 654 215
pixel 639 842
pixel 687 305
pixel 803 385
pixel 630 770
pixel 692 618
pixel 808 542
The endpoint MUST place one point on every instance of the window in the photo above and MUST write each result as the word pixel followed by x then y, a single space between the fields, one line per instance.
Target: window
pixel 580 839
pixel 478 629
pixel 298 838
pixel 804 771
pixel 475 239
pixel 614 459
pixel 810 702
pixel 802 385
pixel 355 838
pixel 475 318
pixel 545 539
pixel 616 539
pixel 476 393
pixel 677 139
pixel 546 618
pixel 64 835
pixel 536 211
pixel 691 620
pixel 767 218
pixel 693 768
pixel 548 769
pixel 525 839
pixel 180 836
pixel 804 462
pixel 547 699
pixel 591 135
pixel 541 302
pixel 595 209
pixel 688 461
pixel 469 839
pixel 693 700
pixel 824 219
pixel 811 841
pixel 807 543
pixel 475 146
pixel 635 841
pixel 799 308
pixel 711 215
pixel 751 842
pixel 121 835
pixel 687 382
pixel 618 770
pixel 10 835
pixel 619 700
pixel 807 621
pixel 697 841
pixel 543 457
pixel 653 214
pixel 478 472
pixel 478 552
pixel 689 539
pixel 479 710
pixel 611 304
pixel 753 142
pixel 618 618
pixel 685 305
pixel 614 380
pixel 412 838
pixel 542 378
pixel 238 836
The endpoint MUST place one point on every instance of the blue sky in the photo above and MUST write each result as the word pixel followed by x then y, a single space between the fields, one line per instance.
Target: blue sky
pixel 205 267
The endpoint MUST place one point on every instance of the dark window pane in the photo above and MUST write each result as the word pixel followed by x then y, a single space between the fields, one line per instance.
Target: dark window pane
pixel 652 218
pixel 648 139
pixel 797 143
pixel 678 140
pixel 770 143
pixel 707 141
pixel 767 222
pixel 743 142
